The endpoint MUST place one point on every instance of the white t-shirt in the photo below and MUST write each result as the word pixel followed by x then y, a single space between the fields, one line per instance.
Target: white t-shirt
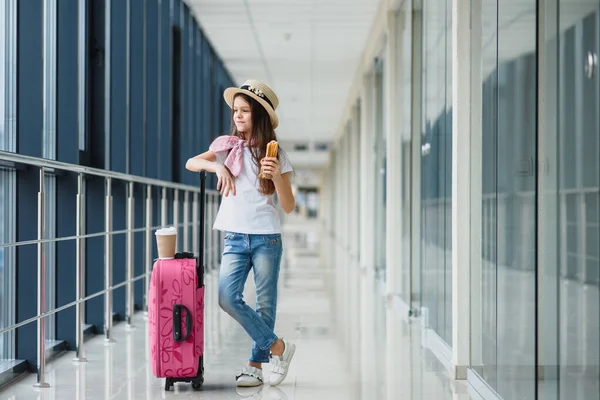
pixel 249 211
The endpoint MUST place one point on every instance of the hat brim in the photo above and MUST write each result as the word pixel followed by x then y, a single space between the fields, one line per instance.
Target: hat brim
pixel 229 95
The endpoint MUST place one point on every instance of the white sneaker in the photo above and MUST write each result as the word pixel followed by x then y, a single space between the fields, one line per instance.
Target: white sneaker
pixel 280 365
pixel 249 376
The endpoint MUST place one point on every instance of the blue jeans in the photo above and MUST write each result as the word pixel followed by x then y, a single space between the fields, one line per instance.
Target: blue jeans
pixel 262 253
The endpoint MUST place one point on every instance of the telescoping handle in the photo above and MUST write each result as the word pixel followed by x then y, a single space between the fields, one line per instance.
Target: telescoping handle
pixel 200 259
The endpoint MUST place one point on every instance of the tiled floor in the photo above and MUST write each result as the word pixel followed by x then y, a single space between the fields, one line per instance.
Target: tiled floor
pixel 390 365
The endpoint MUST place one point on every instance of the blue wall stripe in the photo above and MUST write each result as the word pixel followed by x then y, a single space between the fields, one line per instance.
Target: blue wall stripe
pixel 95 187
pixel 138 137
pixel 67 151
pixel 164 58
pixel 152 100
pixel 29 142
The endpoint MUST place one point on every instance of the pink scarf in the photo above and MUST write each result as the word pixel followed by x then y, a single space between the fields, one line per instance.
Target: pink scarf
pixel 235 145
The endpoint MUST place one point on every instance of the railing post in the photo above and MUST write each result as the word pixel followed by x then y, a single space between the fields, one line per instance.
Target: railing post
pixel 108 273
pixel 163 208
pixel 130 257
pixel 186 221
pixel 79 273
pixel 148 258
pixel 41 281
pixel 176 216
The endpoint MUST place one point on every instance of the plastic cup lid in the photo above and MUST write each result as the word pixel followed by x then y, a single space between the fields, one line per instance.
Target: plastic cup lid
pixel 166 231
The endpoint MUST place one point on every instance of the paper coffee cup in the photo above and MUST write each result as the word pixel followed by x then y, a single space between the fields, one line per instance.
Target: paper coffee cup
pixel 166 241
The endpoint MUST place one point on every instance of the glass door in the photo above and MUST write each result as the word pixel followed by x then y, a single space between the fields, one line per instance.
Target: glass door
pixel 569 182
pixel 379 166
pixel 504 75
pixel 579 206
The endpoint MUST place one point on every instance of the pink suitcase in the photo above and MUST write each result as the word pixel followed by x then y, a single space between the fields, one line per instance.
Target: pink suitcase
pixel 176 314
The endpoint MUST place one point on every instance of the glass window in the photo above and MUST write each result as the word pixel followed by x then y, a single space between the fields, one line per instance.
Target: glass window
pixel 7 177
pixel 578 226
pixel 484 294
pixel 404 22
pixel 379 166
pixel 436 167
pixel 503 342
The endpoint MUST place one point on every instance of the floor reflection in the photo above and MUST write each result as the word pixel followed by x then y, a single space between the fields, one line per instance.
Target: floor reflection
pixel 350 345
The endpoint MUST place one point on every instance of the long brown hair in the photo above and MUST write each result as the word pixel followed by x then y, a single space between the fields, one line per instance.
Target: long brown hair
pixel 262 133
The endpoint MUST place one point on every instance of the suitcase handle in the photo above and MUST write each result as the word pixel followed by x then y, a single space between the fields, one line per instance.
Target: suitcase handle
pixel 200 259
pixel 177 323
pixel 183 255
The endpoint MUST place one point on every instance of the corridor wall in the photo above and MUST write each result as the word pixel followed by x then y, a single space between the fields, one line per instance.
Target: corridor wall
pixel 127 86
pixel 490 208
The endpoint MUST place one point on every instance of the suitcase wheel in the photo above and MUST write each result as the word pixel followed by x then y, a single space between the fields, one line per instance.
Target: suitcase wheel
pixel 168 384
pixel 199 381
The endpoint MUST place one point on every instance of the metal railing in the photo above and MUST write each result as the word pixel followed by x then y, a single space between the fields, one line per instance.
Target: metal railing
pixel 211 246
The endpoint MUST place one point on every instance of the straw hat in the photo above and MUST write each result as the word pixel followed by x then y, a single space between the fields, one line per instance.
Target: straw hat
pixel 260 92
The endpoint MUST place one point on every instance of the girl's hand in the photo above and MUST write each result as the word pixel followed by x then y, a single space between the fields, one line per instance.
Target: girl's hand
pixel 270 165
pixel 226 183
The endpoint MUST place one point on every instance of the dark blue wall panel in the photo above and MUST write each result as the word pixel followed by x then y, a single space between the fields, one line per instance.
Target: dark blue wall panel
pixel 152 99
pixel 118 105
pixel 210 106
pixel 190 99
pixel 178 83
pixel 186 85
pixel 176 13
pixel 137 123
pixel 95 186
pixel 29 136
pixel 118 142
pixel 164 58
pixel 139 245
pixel 67 143
pixel 197 145
pixel 159 144
pixel 30 77
pixel 137 154
pixel 119 223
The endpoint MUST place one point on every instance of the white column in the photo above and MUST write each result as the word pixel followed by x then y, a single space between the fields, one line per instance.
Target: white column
pixel 367 232
pixel 416 108
pixel 343 234
pixel 367 202
pixel 324 216
pixel 356 189
pixel 394 156
pixel 353 304
pixel 461 186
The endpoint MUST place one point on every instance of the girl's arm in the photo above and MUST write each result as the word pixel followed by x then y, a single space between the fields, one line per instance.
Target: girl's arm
pixel 283 186
pixel 207 162
pixel 203 162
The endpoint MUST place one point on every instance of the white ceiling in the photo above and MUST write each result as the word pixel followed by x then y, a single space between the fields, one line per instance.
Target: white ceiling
pixel 306 50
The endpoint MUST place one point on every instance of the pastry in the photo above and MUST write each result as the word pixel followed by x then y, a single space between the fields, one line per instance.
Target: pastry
pixel 272 148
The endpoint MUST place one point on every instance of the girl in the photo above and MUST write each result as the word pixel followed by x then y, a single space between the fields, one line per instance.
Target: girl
pixel 250 221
